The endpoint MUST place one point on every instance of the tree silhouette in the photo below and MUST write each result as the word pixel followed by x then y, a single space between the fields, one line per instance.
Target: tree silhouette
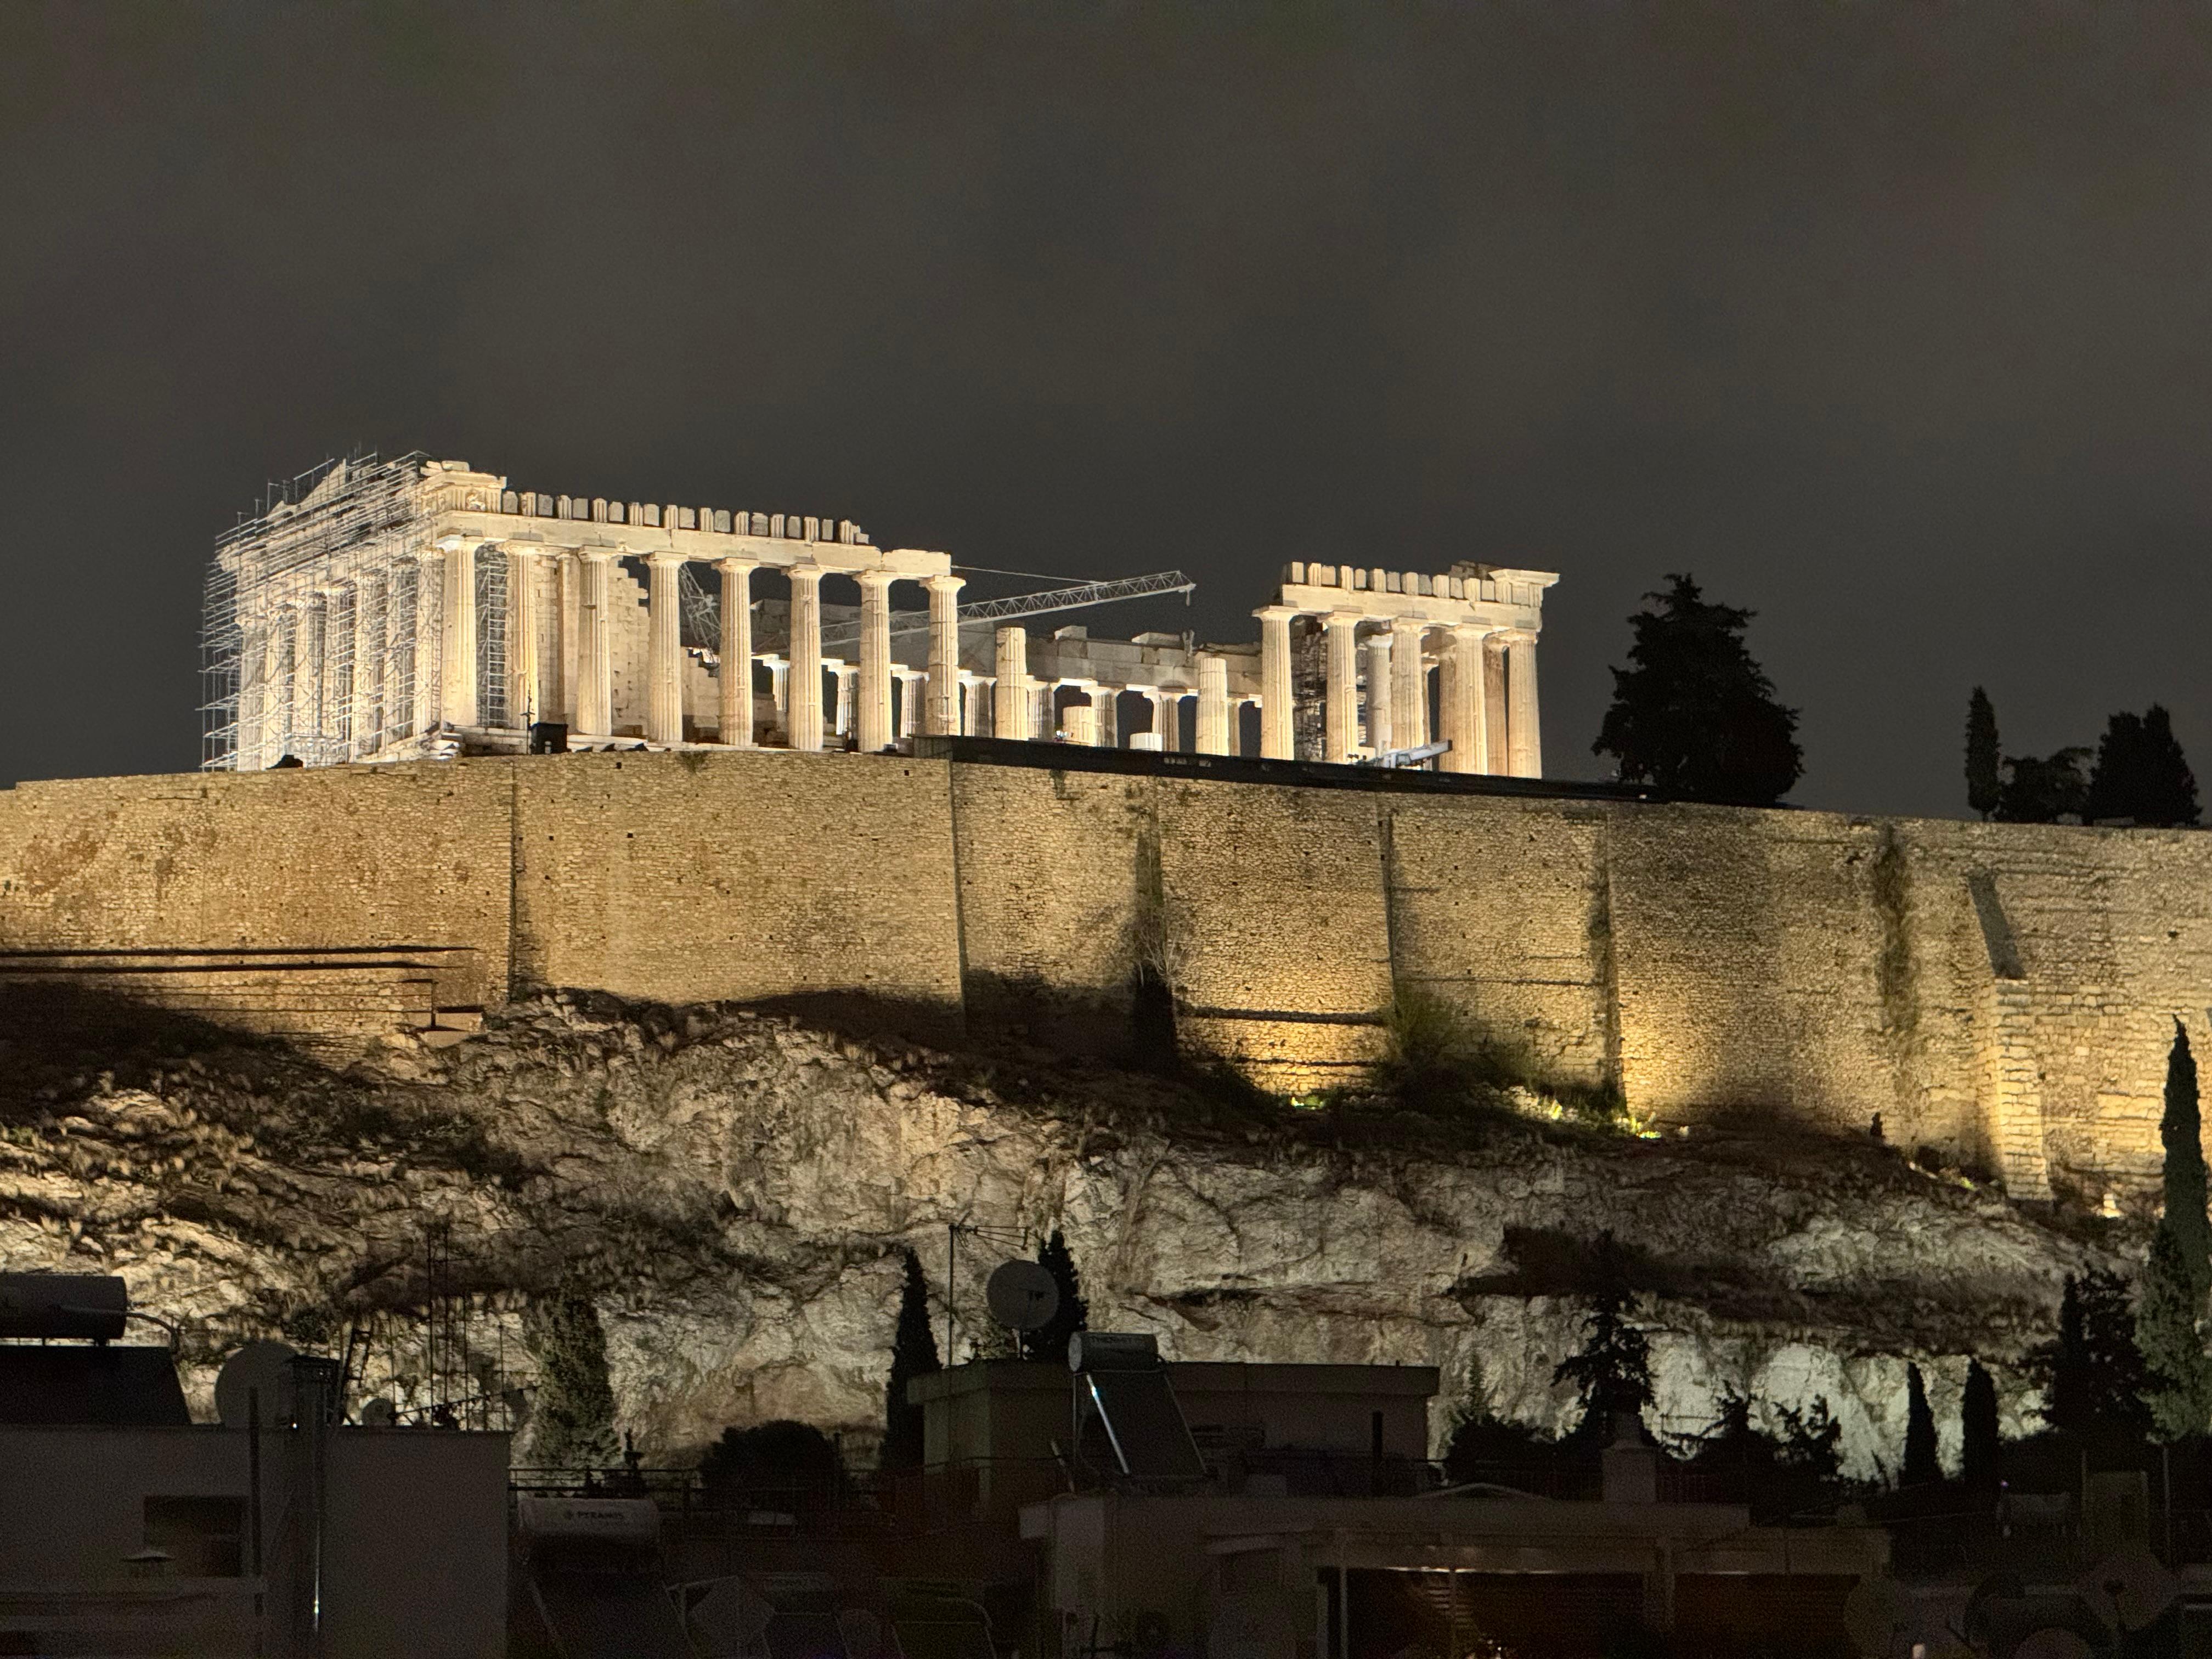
pixel 914 1353
pixel 1612 1372
pixel 1049 1340
pixel 2092 1373
pixel 2140 773
pixel 2045 790
pixel 1693 713
pixel 2180 1133
pixel 1977 1431
pixel 792 1462
pixel 2179 1271
pixel 1985 761
pixel 1921 1468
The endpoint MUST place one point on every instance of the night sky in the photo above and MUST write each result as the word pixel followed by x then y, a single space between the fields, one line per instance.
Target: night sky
pixel 1888 322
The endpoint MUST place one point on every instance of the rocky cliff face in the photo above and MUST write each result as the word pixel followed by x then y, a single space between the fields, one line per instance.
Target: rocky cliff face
pixel 734 1189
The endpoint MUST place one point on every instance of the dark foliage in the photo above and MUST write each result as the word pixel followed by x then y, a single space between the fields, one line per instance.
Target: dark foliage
pixel 1611 1371
pixel 572 1414
pixel 1485 1447
pixel 1984 775
pixel 2092 1373
pixel 2044 791
pixel 1921 1468
pixel 2140 773
pixel 2180 1133
pixel 779 1462
pixel 1979 1436
pixel 1778 1474
pixel 1049 1340
pixel 1693 713
pixel 914 1353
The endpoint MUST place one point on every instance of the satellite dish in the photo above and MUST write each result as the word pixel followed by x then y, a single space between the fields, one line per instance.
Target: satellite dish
pixel 378 1413
pixel 262 1368
pixel 2053 1643
pixel 1022 1295
pixel 2130 1589
pixel 1877 1613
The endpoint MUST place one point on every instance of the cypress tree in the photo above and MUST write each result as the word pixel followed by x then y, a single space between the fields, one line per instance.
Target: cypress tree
pixel 914 1353
pixel 1984 760
pixel 2179 1389
pixel 2180 1133
pixel 1921 1468
pixel 572 1424
pixel 1048 1341
pixel 2094 1382
pixel 1977 1431
pixel 1692 712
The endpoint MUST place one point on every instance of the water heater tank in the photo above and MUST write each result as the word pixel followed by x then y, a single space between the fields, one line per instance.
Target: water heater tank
pixel 83 1307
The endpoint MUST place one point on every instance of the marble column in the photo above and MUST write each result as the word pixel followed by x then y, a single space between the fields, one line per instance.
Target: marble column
pixel 429 638
pixel 1339 721
pixel 1524 735
pixel 944 719
pixel 276 690
pixel 735 685
pixel 313 652
pixel 367 664
pixel 779 693
pixel 664 704
pixel 1493 701
pixel 1463 700
pixel 1107 699
pixel 458 670
pixel 840 721
pixel 1012 697
pixel 526 696
pixel 1409 684
pixel 595 685
pixel 1380 691
pixel 874 716
pixel 1213 733
pixel 567 633
pixel 910 683
pixel 1079 722
pixel 1278 726
pixel 804 696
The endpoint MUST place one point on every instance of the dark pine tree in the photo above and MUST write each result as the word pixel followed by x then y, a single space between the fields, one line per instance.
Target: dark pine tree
pixel 1612 1373
pixel 1984 760
pixel 1693 713
pixel 1977 1431
pixel 2181 1135
pixel 572 1419
pixel 1921 1469
pixel 1049 1340
pixel 2140 775
pixel 914 1353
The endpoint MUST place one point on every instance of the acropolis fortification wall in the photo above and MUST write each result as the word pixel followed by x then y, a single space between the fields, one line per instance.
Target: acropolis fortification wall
pixel 2005 993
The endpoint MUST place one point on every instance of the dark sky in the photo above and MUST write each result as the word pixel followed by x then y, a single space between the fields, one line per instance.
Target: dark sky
pixel 1888 321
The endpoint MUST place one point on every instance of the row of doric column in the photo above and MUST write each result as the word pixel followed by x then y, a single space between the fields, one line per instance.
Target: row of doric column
pixel 1022 704
pixel 1486 683
pixel 541 579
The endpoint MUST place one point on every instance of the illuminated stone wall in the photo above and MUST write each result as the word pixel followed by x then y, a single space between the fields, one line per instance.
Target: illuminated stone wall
pixel 2004 993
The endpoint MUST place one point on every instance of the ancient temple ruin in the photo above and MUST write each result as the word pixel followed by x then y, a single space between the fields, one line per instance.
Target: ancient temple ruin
pixel 410 608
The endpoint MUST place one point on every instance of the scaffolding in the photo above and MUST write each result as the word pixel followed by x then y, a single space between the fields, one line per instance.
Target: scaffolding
pixel 292 661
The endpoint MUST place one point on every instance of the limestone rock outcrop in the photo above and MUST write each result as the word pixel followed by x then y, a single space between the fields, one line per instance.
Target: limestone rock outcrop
pixel 734 1190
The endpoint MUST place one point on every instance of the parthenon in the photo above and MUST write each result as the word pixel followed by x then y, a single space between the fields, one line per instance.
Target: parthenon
pixel 417 608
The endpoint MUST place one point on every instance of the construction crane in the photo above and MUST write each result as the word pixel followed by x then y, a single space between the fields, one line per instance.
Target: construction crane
pixel 702 610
